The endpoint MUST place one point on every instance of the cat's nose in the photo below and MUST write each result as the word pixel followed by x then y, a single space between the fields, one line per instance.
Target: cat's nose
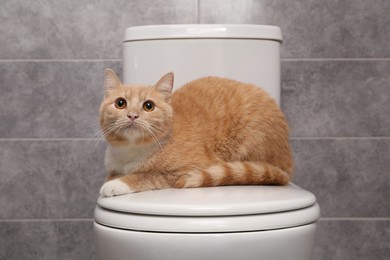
pixel 133 116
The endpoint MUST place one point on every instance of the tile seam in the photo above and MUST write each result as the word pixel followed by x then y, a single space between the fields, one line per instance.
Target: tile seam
pixel 57 60
pixel 355 219
pixel 335 59
pixel 197 10
pixel 46 219
pixel 98 139
pixel 119 59
pixel 342 138
pixel 48 139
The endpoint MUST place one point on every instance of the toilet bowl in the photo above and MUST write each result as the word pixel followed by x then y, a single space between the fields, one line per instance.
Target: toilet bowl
pixel 231 222
pixel 227 223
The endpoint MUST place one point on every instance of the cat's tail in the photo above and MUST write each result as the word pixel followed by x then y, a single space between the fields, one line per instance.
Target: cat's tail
pixel 234 173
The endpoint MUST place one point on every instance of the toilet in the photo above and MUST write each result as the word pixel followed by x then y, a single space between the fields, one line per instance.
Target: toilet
pixel 227 223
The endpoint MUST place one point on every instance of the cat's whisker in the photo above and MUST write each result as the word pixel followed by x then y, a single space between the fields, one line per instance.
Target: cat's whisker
pixel 104 131
pixel 161 134
pixel 153 129
pixel 109 130
pixel 98 141
pixel 144 125
pixel 154 137
pixel 157 130
pixel 102 134
pixel 143 133
pixel 143 128
pixel 115 126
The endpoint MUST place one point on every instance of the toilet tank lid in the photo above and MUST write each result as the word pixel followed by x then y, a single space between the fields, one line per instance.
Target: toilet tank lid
pixel 215 201
pixel 196 31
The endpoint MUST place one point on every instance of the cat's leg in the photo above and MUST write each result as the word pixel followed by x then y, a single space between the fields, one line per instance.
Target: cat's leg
pixel 234 173
pixel 137 182
pixel 115 187
pixel 112 175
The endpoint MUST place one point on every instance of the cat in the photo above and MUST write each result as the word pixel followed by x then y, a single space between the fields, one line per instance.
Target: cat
pixel 210 132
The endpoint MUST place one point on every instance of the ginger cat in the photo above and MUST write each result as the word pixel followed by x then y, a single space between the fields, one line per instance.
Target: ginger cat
pixel 211 132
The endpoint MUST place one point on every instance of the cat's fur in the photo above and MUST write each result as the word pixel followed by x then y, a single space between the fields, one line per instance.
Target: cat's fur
pixel 212 131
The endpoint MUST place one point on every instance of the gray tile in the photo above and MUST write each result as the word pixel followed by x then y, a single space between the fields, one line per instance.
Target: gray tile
pixel 336 240
pixel 352 239
pixel 47 240
pixel 80 28
pixel 50 179
pixel 350 177
pixel 320 98
pixel 313 29
pixel 60 179
pixel 337 98
pixel 51 99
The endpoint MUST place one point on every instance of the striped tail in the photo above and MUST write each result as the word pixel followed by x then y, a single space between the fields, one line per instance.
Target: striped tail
pixel 234 173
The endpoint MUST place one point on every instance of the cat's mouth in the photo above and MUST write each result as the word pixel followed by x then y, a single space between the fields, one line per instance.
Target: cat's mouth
pixel 131 131
pixel 131 127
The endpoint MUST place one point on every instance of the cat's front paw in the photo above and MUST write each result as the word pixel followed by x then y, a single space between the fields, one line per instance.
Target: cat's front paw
pixel 114 188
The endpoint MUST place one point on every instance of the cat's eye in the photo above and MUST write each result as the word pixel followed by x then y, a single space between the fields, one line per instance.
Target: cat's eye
pixel 148 106
pixel 120 103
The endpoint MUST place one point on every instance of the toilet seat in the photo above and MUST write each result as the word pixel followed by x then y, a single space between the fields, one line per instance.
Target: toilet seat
pixel 210 210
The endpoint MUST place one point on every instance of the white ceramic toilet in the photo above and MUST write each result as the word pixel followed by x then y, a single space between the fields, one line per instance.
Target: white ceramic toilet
pixel 227 223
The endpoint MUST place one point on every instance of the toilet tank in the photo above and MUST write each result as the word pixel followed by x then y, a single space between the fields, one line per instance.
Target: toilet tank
pixel 247 53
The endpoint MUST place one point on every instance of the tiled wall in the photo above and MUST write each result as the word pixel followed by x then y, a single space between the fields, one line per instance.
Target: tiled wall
pixel 335 93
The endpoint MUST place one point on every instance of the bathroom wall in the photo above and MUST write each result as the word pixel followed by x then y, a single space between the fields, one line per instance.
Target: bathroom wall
pixel 335 93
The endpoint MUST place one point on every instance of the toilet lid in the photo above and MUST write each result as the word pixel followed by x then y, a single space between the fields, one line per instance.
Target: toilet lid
pixel 202 31
pixel 215 209
pixel 214 201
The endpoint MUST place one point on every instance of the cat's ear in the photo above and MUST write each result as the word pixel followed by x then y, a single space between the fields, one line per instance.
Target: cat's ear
pixel 165 85
pixel 111 80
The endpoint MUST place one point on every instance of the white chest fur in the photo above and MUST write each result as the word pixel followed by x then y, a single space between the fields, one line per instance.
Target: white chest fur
pixel 124 159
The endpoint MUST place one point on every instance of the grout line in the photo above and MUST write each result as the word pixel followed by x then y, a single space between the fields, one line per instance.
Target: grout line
pixel 197 5
pixel 58 60
pixel 48 139
pixel 46 219
pixel 355 219
pixel 97 139
pixel 342 138
pixel 198 21
pixel 336 59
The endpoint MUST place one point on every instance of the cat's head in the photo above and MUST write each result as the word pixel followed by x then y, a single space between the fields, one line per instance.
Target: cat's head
pixel 136 114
